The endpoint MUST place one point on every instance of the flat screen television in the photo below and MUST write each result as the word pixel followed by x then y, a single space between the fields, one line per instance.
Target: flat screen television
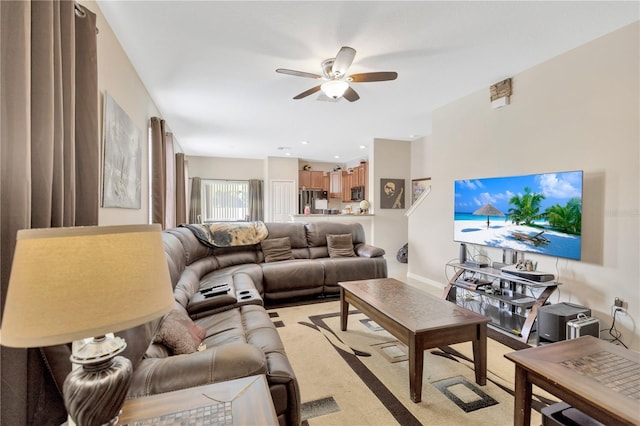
pixel 539 213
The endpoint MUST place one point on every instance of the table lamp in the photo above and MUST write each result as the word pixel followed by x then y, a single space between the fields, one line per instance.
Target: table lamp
pixel 79 285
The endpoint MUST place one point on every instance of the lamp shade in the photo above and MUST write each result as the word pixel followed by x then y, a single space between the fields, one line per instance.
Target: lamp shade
pixel 334 88
pixel 67 284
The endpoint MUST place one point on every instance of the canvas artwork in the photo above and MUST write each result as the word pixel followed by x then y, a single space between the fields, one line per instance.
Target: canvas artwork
pixel 122 158
pixel 391 193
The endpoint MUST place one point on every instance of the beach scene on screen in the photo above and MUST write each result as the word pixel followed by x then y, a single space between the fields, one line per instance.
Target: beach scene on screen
pixel 539 213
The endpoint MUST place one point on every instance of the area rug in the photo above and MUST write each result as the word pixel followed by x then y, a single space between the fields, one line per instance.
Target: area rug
pixel 360 376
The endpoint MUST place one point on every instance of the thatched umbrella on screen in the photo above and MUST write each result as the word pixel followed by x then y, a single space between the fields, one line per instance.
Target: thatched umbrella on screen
pixel 488 210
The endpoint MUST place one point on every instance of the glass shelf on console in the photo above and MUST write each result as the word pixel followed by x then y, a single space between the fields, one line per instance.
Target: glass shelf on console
pixel 497 273
pixel 503 319
pixel 502 297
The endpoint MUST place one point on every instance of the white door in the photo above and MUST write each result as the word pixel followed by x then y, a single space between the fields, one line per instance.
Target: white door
pixel 283 200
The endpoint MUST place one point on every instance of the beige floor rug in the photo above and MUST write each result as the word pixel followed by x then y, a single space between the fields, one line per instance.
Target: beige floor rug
pixel 360 376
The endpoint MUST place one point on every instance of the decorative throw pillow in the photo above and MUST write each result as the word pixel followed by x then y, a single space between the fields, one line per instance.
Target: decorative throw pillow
pixel 180 334
pixel 276 249
pixel 340 245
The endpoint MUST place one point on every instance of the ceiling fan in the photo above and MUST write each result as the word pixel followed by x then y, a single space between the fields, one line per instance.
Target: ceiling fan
pixel 336 81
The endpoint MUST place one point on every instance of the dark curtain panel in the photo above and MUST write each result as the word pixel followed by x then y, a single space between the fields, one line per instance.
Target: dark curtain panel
pixel 256 200
pixel 195 203
pixel 158 171
pixel 170 183
pixel 181 189
pixel 49 161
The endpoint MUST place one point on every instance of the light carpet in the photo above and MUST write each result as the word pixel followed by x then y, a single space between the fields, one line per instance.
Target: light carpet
pixel 361 377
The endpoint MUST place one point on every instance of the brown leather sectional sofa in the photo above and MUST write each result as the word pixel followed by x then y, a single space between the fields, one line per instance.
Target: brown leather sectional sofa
pixel 240 337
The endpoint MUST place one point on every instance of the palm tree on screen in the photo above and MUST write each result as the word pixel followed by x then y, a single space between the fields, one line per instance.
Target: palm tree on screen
pixel 526 207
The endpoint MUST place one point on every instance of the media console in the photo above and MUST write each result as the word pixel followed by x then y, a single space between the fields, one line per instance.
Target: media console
pixel 512 302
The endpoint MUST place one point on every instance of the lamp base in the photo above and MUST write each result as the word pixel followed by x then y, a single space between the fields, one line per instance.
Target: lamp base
pixel 95 393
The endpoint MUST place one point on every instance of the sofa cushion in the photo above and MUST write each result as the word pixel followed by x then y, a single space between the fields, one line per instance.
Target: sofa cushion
pixel 179 333
pixel 340 245
pixel 277 249
pixel 292 275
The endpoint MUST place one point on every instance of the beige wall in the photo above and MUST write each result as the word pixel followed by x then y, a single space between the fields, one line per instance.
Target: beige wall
pixel 117 76
pixel 581 111
pixel 225 168
pixel 390 159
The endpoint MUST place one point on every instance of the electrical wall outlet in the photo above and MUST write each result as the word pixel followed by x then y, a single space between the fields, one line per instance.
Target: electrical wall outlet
pixel 619 303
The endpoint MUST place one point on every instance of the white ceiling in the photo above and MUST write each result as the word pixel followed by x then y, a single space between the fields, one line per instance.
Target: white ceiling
pixel 210 65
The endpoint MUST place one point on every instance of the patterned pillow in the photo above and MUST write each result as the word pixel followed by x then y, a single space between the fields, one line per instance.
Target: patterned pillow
pixel 276 249
pixel 180 334
pixel 340 245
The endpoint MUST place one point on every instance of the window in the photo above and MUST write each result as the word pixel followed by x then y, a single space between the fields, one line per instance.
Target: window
pixel 224 200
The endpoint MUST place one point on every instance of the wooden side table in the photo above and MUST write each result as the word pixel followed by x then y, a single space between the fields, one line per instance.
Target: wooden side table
pixel 249 398
pixel 595 376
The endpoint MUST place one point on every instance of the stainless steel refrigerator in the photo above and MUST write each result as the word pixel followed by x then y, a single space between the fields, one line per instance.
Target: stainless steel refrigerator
pixel 308 197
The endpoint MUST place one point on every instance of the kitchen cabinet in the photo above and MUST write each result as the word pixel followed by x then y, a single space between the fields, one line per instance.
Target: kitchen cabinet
pixel 310 179
pixel 346 187
pixel 335 184
pixel 363 175
pixel 316 179
pixel 304 179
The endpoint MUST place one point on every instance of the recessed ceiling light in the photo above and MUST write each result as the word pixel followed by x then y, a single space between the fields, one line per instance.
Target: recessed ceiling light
pixel 287 153
pixel 362 146
pixel 304 142
pixel 336 156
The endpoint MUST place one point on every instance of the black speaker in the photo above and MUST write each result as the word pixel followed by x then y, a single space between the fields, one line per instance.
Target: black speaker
pixel 463 253
pixel 552 320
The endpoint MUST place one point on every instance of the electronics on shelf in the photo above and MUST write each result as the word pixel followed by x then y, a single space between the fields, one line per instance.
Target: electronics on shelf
pixel 475 264
pixel 537 276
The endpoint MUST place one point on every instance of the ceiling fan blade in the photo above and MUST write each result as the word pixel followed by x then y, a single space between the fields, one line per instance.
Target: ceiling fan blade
pixel 373 76
pixel 343 61
pixel 307 92
pixel 351 95
pixel 297 73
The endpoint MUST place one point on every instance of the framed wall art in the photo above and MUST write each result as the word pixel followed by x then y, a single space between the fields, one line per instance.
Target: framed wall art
pixel 121 184
pixel 391 193
pixel 418 186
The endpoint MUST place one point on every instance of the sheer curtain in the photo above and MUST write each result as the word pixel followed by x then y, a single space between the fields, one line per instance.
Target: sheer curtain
pixel 49 168
pixel 256 200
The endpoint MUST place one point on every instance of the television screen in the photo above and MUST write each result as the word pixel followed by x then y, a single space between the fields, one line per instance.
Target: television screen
pixel 540 213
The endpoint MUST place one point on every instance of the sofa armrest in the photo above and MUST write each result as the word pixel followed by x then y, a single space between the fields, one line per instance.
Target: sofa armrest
pixel 159 375
pixel 365 250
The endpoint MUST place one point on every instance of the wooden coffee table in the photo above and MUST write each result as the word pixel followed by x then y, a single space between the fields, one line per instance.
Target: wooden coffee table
pixel 417 319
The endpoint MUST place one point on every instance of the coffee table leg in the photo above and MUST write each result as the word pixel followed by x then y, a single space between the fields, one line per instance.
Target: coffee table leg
pixel 480 355
pixel 522 399
pixel 416 359
pixel 344 311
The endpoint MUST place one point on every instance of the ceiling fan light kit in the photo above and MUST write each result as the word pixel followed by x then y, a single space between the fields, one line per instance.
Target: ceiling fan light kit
pixel 334 73
pixel 334 88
